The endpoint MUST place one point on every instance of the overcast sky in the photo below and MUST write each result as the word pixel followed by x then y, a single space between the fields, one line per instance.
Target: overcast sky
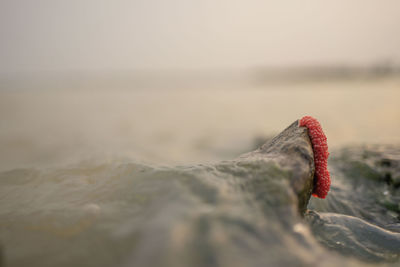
pixel 43 35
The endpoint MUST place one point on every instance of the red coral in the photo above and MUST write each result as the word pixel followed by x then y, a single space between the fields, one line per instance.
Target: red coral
pixel 320 148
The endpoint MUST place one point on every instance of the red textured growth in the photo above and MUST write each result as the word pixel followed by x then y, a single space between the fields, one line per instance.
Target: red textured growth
pixel 320 148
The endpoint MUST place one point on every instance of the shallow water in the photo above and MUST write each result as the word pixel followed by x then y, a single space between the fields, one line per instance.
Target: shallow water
pixel 47 127
pixel 83 178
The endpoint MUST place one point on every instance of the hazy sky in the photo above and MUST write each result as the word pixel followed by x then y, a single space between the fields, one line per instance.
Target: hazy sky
pixel 39 35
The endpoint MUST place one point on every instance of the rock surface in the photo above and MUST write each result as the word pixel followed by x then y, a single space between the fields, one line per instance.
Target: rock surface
pixel 361 215
pixel 250 211
pixel 237 209
pixel 290 151
pixel 234 213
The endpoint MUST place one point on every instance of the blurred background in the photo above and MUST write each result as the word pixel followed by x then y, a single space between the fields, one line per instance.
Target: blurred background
pixel 177 82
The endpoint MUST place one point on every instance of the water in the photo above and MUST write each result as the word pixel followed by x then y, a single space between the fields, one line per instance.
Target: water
pixel 47 127
pixel 88 177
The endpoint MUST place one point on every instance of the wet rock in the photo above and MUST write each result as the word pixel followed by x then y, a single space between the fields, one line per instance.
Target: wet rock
pixel 243 212
pixel 355 237
pixel 229 211
pixel 361 215
pixel 379 162
pixel 365 184
pixel 250 211
pixel 290 151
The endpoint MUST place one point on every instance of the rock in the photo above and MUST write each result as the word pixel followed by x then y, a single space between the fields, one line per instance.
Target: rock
pixel 361 215
pixel 235 213
pixel 355 237
pixel 247 211
pixel 365 184
pixel 291 152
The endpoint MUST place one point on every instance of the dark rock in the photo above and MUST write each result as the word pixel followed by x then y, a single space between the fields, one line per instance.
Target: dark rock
pixel 361 215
